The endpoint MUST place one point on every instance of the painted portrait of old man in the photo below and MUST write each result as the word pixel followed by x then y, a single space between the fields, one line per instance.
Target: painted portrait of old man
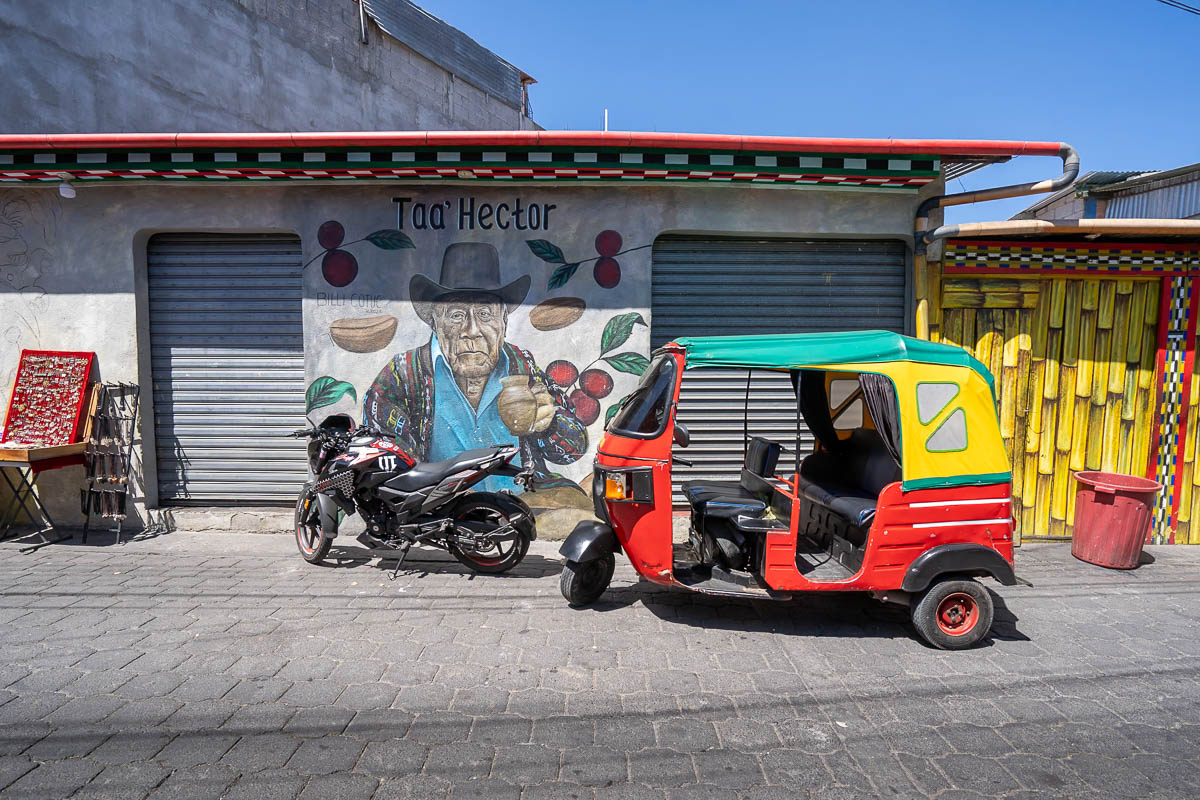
pixel 467 386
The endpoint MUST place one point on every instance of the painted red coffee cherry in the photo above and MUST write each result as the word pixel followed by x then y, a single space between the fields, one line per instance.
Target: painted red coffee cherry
pixel 607 272
pixel 608 243
pixel 330 234
pixel 339 268
pixel 587 408
pixel 562 373
pixel 596 382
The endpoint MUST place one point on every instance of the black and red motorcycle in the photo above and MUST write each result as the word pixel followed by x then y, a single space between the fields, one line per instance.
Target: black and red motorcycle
pixel 404 503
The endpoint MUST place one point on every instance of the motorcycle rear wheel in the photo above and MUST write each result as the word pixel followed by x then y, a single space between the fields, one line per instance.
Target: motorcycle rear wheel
pixel 313 546
pixel 497 557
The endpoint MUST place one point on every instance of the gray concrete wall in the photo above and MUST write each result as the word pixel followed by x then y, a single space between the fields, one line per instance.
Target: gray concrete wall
pixel 223 65
pixel 75 268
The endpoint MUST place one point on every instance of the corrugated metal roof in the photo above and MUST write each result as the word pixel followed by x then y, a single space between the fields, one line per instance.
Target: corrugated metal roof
pixel 1170 194
pixel 448 47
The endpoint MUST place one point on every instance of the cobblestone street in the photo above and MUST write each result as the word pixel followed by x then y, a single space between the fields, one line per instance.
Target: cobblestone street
pixel 198 666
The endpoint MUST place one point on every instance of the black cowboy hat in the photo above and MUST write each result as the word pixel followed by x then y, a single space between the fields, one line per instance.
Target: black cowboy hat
pixel 466 267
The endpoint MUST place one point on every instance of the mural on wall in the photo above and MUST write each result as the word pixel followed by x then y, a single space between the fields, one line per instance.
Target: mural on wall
pixel 460 379
pixel 28 229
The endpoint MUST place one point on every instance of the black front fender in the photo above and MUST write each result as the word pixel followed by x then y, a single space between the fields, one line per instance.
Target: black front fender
pixel 963 559
pixel 327 515
pixel 590 540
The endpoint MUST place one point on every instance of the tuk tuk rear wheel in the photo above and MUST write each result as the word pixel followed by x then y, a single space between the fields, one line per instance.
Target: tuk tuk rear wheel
pixel 582 583
pixel 953 614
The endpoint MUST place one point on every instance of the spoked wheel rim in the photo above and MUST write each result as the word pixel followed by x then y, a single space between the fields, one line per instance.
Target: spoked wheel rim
pixel 493 553
pixel 308 536
pixel 957 614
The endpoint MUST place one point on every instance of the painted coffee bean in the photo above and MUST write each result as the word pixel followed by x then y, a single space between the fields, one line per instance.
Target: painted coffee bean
pixel 363 334
pixel 555 313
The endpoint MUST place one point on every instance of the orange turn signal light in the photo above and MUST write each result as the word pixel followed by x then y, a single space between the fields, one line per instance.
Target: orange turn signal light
pixel 616 485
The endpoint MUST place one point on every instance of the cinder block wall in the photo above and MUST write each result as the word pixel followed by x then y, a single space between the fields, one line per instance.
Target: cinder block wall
pixel 220 65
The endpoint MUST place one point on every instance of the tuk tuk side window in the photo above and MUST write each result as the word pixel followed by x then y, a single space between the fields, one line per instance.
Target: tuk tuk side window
pixel 845 403
pixel 645 412
pixel 951 435
pixel 932 399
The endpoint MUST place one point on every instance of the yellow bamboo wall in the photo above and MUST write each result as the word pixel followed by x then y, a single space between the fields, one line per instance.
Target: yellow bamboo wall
pixel 1074 363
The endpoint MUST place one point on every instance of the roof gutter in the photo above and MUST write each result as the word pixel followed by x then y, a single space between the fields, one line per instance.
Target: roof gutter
pixel 1024 227
pixel 420 139
pixel 921 239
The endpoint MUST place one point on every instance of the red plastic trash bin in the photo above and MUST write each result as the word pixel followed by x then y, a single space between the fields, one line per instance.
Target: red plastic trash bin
pixel 1112 516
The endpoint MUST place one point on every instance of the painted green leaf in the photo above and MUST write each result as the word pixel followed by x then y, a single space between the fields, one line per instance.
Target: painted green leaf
pixel 546 251
pixel 633 363
pixel 390 239
pixel 618 330
pixel 561 276
pixel 325 391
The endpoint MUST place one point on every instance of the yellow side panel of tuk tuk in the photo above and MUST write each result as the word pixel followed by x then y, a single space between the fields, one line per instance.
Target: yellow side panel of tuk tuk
pixel 982 460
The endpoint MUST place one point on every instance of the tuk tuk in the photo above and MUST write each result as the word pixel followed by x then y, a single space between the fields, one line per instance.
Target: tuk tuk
pixel 905 493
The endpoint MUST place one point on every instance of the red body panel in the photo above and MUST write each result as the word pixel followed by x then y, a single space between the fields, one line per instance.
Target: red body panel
pixel 906 524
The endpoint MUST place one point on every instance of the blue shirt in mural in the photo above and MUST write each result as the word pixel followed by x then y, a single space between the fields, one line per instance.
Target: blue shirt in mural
pixel 457 426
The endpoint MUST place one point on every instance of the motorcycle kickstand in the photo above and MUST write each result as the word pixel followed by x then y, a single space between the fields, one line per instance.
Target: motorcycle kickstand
pixel 400 560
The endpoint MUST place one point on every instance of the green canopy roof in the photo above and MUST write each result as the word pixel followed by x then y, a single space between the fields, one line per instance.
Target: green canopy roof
pixel 798 350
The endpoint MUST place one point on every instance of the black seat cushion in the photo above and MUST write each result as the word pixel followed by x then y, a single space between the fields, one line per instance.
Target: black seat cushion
pixel 700 492
pixel 733 506
pixel 428 473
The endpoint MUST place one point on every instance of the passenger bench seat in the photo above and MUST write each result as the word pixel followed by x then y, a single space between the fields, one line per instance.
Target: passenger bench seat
pixel 849 483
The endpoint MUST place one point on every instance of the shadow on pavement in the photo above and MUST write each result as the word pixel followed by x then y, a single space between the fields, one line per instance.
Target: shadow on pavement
pixel 821 614
pixel 429 560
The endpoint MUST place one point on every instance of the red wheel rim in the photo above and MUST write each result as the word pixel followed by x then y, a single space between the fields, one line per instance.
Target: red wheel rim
pixel 957 614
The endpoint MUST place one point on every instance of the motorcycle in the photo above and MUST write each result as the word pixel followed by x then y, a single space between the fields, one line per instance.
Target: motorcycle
pixel 405 503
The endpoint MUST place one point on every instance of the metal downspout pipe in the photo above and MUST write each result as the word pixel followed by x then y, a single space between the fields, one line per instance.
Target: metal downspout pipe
pixel 921 238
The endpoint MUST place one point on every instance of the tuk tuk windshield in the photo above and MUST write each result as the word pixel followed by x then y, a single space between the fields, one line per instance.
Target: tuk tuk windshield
pixel 644 413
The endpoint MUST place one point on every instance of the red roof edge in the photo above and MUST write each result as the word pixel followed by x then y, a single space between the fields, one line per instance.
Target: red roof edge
pixel 683 141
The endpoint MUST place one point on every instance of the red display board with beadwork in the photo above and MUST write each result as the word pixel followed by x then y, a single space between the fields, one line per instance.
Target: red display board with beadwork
pixel 46 405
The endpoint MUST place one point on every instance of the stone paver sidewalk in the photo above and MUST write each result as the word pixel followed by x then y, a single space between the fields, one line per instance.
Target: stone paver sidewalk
pixel 221 665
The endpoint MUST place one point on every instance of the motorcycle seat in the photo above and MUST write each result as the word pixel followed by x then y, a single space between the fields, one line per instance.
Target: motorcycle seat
pixel 431 473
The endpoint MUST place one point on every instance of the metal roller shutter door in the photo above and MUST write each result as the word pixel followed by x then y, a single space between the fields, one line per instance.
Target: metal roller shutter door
pixel 227 361
pixel 704 286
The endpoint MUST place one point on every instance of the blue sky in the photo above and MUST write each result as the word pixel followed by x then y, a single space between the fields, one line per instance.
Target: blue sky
pixel 1118 79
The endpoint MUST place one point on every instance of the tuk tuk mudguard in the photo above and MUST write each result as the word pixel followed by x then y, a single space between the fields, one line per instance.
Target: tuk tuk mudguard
pixel 961 559
pixel 588 541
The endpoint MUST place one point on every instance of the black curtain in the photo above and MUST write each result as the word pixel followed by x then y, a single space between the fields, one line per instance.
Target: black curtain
pixel 880 397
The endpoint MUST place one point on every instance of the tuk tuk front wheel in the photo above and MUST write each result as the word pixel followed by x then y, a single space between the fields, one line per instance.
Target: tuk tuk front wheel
pixel 953 614
pixel 582 583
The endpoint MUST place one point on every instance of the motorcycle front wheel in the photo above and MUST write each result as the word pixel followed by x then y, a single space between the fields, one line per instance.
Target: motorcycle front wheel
pixel 312 545
pixel 479 512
